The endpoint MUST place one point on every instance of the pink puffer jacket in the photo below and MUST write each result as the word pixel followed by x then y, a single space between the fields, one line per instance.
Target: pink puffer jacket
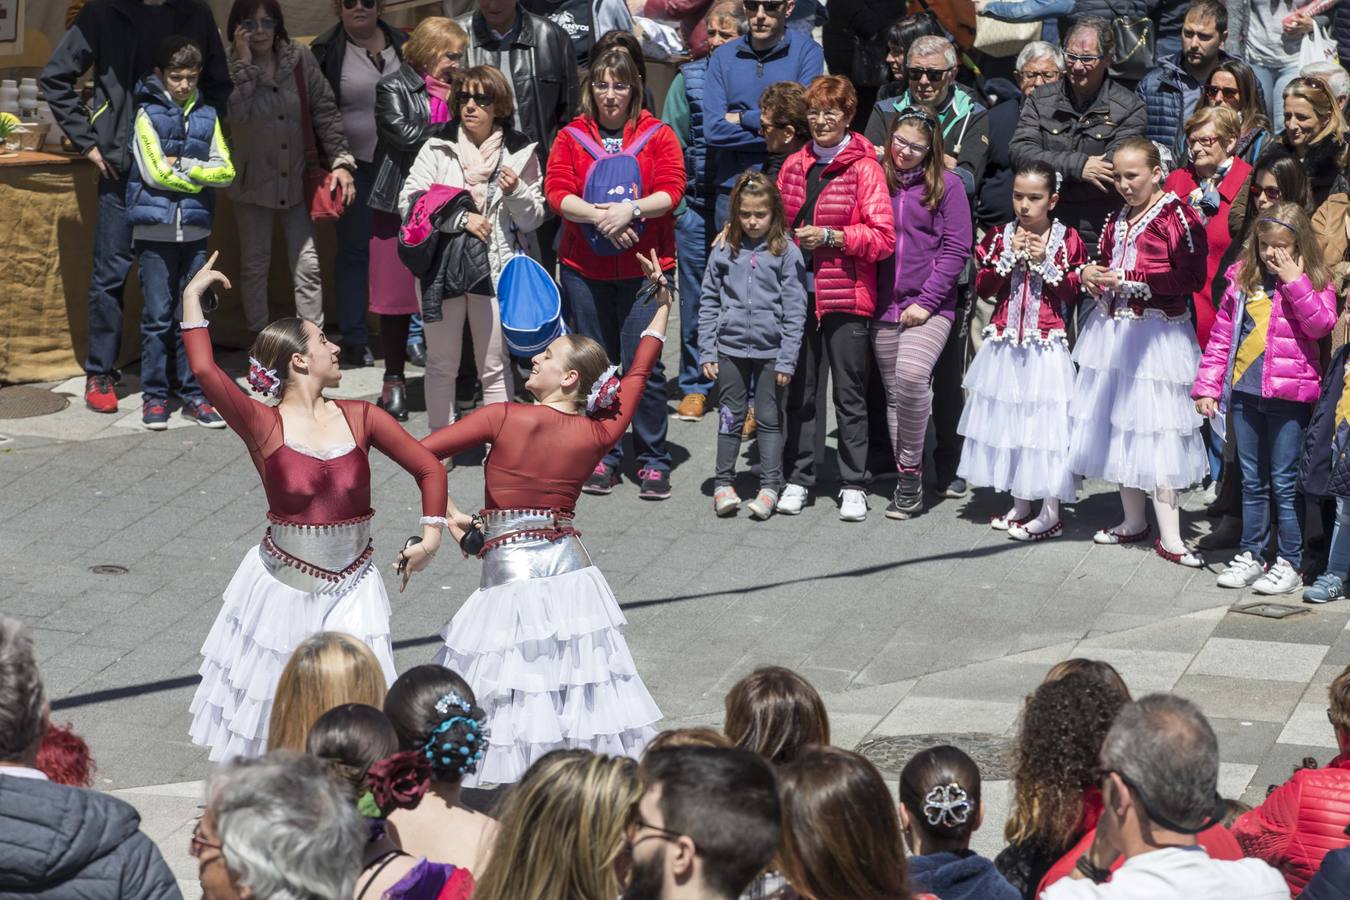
pixel 856 201
pixel 1300 315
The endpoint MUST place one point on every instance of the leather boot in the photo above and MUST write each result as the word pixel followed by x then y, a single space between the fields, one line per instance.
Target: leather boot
pixel 1228 533
pixel 394 397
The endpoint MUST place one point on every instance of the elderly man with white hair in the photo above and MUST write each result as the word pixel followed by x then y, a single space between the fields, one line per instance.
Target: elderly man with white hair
pixel 277 828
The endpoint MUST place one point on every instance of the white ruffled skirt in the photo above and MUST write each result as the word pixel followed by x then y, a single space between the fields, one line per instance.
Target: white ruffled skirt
pixel 1016 419
pixel 1132 418
pixel 548 663
pixel 259 625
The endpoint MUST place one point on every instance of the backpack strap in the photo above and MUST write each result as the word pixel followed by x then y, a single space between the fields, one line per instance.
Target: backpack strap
pixel 633 148
pixel 586 142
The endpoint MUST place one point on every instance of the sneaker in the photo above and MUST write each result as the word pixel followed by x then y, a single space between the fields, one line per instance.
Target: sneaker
pixel 602 481
pixel 725 501
pixel 852 505
pixel 417 353
pixel 155 415
pixel 1280 578
pixel 762 506
pixel 655 484
pixel 1326 588
pixel 691 408
pixel 749 427
pixel 98 394
pixel 908 499
pixel 203 413
pixel 1243 571
pixel 792 500
pixel 956 489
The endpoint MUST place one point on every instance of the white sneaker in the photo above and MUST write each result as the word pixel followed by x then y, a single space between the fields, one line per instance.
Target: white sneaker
pixel 1280 579
pixel 1241 572
pixel 793 499
pixel 852 505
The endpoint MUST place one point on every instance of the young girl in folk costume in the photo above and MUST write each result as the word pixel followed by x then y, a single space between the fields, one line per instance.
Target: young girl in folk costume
pixel 1262 361
pixel 750 320
pixel 313 570
pixel 1016 420
pixel 1132 418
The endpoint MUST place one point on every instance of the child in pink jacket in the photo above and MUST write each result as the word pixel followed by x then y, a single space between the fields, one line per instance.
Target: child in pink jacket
pixel 1262 361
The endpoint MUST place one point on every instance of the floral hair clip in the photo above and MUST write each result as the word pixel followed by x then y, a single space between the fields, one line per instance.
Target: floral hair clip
pixel 452 699
pixel 395 782
pixel 947 804
pixel 605 391
pixel 449 753
pixel 262 379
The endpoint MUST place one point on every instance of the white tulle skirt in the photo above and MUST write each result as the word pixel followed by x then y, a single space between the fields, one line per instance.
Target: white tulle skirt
pixel 548 663
pixel 259 625
pixel 1016 419
pixel 1132 418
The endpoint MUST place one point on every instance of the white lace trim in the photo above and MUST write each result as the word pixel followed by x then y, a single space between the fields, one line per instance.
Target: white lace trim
pixel 188 326
pixel 1125 253
pixel 330 453
pixel 656 334
pixel 442 521
pixel 1026 291
pixel 1052 336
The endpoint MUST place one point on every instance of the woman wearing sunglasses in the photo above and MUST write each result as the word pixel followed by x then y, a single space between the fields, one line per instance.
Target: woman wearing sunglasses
pixel 1314 131
pixel 481 153
pixel 1233 84
pixel 412 103
pixel 268 139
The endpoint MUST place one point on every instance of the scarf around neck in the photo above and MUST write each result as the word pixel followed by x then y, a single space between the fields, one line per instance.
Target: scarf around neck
pixel 478 163
pixel 438 93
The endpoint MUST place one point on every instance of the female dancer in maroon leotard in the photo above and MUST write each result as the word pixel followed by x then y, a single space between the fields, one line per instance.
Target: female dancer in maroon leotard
pixel 313 570
pixel 540 641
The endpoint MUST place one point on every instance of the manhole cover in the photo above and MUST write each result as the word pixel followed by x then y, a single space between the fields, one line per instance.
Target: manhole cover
pixel 1270 610
pixel 991 752
pixel 22 401
pixel 109 569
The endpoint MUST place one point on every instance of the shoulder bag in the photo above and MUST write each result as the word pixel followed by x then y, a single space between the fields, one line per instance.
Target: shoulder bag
pixel 322 194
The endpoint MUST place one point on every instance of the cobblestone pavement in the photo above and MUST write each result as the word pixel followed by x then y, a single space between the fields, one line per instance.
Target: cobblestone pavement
pixel 935 626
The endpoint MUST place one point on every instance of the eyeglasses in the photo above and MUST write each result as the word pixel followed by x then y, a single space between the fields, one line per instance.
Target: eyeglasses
pixel 903 146
pixel 917 73
pixel 604 87
pixel 1043 77
pixel 252 25
pixel 635 825
pixel 481 99
pixel 768 7
pixel 1214 91
pixel 1082 59
pixel 1206 141
pixel 196 845
pixel 351 4
pixel 1271 193
pixel 824 115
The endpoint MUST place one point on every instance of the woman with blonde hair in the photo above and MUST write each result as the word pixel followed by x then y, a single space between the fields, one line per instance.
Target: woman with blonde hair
pixel 562 830
pixel 1314 131
pixel 327 670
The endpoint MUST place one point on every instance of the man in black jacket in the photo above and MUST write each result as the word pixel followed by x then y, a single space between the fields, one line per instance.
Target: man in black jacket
pixel 117 40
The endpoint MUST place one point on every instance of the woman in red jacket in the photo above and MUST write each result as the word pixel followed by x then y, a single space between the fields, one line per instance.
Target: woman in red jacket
pixel 837 203
pixel 600 275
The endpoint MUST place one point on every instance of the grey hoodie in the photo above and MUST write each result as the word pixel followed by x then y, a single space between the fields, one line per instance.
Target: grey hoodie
pixel 63 842
pixel 753 305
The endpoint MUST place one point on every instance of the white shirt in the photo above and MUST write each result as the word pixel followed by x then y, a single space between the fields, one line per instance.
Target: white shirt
pixel 23 772
pixel 1178 873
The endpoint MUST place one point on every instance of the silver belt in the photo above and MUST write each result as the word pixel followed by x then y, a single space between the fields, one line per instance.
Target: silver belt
pixel 318 559
pixel 529 543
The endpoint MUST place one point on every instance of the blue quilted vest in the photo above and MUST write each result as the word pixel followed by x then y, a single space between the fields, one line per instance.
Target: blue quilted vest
pixel 183 132
pixel 701 187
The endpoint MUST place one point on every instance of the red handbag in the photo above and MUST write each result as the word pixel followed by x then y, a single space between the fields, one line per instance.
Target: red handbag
pixel 322 193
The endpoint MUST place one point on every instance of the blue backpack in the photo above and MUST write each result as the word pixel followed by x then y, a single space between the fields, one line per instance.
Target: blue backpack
pixel 615 178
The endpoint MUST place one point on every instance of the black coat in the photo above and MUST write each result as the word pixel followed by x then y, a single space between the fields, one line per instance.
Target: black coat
pixel 993 203
pixel 447 263
pixel 402 125
pixel 1323 467
pixel 330 48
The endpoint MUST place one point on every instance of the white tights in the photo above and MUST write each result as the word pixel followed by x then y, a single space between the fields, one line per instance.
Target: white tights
pixel 1166 510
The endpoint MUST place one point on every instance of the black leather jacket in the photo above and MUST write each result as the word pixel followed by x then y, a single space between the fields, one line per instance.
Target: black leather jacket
pixel 541 66
pixel 330 47
pixel 402 125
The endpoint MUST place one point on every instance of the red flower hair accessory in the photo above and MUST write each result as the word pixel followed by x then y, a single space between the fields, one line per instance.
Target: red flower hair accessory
pixel 605 392
pixel 399 781
pixel 262 379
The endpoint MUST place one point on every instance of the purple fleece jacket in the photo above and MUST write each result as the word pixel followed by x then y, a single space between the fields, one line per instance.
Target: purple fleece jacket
pixel 931 249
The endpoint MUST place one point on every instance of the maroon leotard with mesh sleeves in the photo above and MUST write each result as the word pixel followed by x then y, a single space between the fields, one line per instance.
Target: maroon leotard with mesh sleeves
pixel 540 457
pixel 301 488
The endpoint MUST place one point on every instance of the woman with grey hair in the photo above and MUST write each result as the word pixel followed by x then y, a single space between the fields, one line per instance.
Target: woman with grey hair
pixel 277 828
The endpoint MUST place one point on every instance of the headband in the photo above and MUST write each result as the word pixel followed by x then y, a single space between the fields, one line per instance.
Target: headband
pixel 913 112
pixel 1277 222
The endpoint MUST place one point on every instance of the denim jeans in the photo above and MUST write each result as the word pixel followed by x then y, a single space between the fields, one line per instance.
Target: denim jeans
pixel 352 272
pixel 112 264
pixel 1338 559
pixel 734 376
pixel 607 312
pixel 165 269
pixel 415 329
pixel 1273 80
pixel 1269 436
pixel 693 235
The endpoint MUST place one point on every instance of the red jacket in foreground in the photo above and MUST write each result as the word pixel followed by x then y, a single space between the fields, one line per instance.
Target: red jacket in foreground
pixel 662 165
pixel 855 200
pixel 1301 821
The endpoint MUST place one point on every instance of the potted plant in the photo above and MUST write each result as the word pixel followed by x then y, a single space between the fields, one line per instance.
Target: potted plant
pixel 9 131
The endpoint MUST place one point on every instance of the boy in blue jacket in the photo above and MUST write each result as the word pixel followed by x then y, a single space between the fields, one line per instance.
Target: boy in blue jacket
pixel 180 154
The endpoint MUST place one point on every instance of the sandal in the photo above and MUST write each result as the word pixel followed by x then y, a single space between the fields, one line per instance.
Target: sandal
pixel 1107 536
pixel 1003 523
pixel 1020 533
pixel 1185 558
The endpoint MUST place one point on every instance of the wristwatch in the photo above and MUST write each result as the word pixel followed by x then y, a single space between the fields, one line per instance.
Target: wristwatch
pixel 637 210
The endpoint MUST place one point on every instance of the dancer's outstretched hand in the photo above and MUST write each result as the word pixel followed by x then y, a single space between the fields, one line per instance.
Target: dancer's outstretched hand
pixel 205 278
pixel 651 267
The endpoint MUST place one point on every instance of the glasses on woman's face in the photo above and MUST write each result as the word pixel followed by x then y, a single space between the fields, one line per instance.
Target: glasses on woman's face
pixel 906 148
pixel 196 845
pixel 481 99
pixel 351 4
pixel 1270 193
pixel 1214 92
pixel 252 25
pixel 825 116
pixel 604 87
pixel 1208 140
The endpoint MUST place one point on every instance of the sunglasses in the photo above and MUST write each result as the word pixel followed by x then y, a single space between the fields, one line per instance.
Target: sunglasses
pixel 481 99
pixel 918 73
pixel 1317 84
pixel 768 7
pixel 1213 92
pixel 351 4
pixel 252 25
pixel 1271 193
